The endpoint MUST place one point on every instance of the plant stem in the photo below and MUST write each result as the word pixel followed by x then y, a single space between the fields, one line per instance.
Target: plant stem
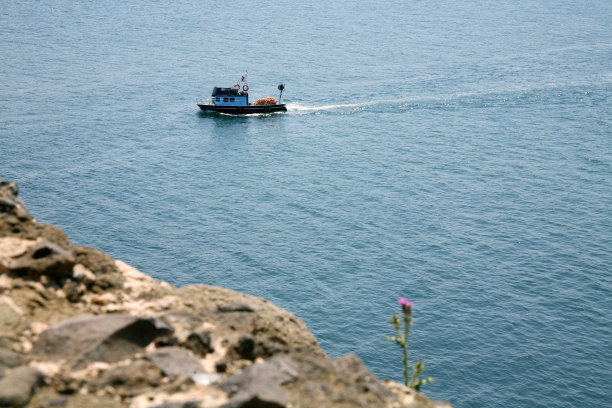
pixel 407 323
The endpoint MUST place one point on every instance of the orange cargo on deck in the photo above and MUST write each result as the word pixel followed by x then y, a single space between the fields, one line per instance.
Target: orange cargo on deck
pixel 266 101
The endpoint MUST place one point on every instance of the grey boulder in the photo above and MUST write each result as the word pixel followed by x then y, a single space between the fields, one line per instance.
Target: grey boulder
pixel 108 338
pixel 41 258
pixel 175 362
pixel 17 388
pixel 261 385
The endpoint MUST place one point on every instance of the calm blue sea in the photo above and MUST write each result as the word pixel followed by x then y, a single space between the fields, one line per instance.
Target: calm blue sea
pixel 456 153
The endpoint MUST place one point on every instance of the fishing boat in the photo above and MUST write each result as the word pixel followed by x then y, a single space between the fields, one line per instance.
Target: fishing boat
pixel 235 101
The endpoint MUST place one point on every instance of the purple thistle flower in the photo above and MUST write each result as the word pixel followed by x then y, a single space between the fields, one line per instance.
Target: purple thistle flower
pixel 405 302
pixel 406 305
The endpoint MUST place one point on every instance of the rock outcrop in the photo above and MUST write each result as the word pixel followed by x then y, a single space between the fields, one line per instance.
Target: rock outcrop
pixel 78 328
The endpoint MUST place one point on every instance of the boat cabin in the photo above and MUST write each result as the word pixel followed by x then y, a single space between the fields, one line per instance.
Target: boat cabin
pixel 229 97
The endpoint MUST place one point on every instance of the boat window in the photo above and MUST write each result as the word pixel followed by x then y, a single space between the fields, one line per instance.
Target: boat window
pixel 217 99
pixel 232 99
pixel 224 99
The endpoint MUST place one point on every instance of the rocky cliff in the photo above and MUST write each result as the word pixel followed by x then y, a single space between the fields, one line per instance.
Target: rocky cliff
pixel 80 329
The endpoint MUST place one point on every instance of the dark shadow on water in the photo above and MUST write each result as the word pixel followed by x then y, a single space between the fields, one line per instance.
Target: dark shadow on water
pixel 223 119
pixel 231 126
pixel 225 125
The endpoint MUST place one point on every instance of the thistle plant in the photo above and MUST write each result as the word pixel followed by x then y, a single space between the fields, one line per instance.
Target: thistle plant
pixel 411 380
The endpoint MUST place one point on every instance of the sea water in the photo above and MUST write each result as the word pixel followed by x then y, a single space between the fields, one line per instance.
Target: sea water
pixel 456 153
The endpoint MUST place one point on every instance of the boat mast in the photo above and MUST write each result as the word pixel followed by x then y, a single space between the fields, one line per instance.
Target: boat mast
pixel 280 88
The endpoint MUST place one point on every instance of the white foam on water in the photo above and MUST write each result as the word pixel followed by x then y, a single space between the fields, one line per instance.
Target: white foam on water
pixel 503 92
pixel 296 107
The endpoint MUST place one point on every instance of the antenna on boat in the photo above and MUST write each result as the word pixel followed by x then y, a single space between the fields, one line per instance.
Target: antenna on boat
pixel 280 88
